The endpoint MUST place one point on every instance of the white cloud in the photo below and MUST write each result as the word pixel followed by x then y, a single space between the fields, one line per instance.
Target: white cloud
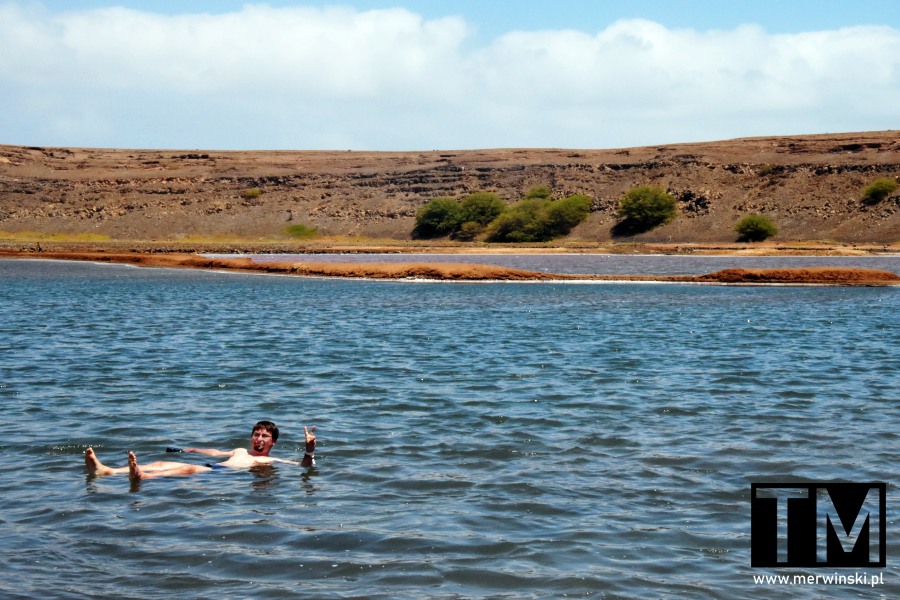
pixel 335 78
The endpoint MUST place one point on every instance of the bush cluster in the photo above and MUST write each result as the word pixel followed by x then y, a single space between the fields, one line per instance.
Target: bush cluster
pixel 766 170
pixel 536 218
pixel 462 220
pixel 251 194
pixel 539 219
pixel 755 228
pixel 879 190
pixel 439 217
pixel 646 207
pixel 541 192
pixel 301 231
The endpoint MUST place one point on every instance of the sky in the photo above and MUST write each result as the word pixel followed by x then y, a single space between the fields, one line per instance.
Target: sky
pixel 442 75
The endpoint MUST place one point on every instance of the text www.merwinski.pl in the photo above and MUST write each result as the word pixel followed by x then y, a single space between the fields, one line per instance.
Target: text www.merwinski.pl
pixel 861 579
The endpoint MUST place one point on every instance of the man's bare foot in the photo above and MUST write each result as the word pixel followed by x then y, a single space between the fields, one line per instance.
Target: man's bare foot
pixel 134 471
pixel 93 464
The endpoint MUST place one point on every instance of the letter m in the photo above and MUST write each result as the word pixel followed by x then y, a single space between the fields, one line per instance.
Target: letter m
pixel 870 514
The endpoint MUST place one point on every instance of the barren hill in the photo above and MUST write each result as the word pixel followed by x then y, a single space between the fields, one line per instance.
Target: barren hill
pixel 809 185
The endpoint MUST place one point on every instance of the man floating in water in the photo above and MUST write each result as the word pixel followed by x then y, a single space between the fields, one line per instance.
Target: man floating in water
pixel 263 437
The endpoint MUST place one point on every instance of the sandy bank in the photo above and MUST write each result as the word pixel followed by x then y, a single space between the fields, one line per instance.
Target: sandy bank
pixel 468 272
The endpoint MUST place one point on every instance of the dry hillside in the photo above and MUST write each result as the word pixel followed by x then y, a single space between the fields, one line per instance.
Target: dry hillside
pixel 809 185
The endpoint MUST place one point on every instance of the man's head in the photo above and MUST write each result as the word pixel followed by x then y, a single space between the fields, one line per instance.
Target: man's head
pixel 264 436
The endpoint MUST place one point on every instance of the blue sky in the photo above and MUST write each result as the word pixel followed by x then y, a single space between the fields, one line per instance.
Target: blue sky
pixel 495 17
pixel 407 75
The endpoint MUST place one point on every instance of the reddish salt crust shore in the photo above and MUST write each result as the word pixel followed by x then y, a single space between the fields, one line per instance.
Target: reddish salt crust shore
pixel 812 275
pixel 467 272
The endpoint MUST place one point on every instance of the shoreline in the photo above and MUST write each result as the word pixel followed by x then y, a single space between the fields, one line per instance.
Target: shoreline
pixel 240 246
pixel 832 276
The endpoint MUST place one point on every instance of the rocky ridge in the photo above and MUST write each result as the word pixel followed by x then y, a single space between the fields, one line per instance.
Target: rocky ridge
pixel 809 185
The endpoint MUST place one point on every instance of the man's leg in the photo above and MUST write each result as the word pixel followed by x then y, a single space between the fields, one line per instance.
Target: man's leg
pixel 161 469
pixel 96 467
pixel 155 469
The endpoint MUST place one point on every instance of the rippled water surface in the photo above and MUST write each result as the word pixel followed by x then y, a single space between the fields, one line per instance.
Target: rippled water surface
pixel 476 440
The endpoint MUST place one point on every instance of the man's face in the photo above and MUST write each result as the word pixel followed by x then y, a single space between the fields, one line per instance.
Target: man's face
pixel 261 442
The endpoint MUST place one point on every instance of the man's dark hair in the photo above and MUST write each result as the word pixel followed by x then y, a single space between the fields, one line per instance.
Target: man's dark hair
pixel 269 426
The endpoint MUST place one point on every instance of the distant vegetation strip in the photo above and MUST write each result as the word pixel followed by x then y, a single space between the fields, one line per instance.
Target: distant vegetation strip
pixel 485 217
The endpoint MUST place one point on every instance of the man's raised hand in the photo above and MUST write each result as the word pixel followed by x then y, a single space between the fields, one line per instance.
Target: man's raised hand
pixel 310 439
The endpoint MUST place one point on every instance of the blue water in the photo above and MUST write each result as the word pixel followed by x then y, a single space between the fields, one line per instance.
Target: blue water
pixel 476 440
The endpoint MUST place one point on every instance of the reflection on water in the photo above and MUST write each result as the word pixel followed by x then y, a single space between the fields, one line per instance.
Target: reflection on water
pixel 264 473
pixel 519 441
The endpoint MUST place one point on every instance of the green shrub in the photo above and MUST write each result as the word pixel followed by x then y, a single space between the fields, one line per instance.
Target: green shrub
pixel 565 214
pixel 646 207
pixel 301 231
pixel 251 194
pixel 541 192
pixel 648 204
pixel 468 231
pixel 766 170
pixel 539 219
pixel 878 190
pixel 755 228
pixel 441 216
pixel 519 223
pixel 481 208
